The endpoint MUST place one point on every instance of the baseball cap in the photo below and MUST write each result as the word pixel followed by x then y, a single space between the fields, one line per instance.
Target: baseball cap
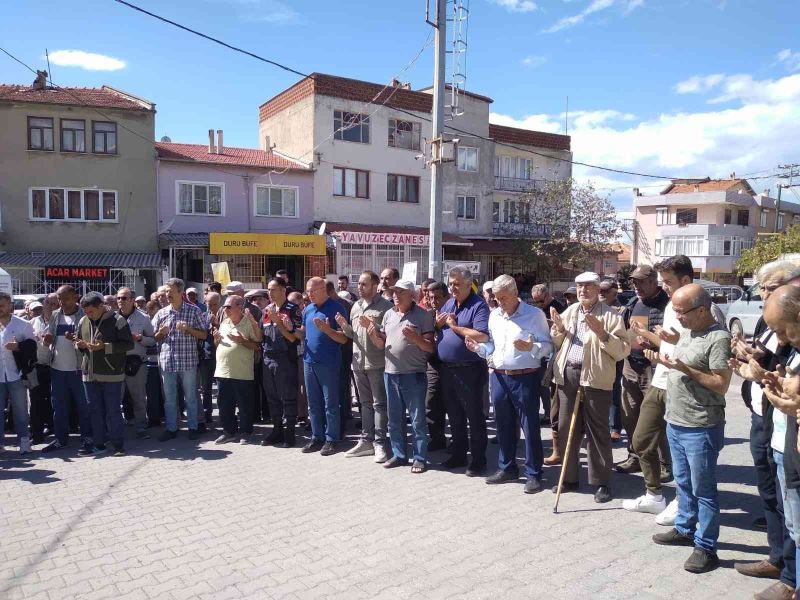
pixel 608 284
pixel 235 286
pixel 256 294
pixel 404 284
pixel 643 272
pixel 588 277
pixel 141 298
pixel 572 290
pixel 487 286
pixel 35 304
pixel 191 290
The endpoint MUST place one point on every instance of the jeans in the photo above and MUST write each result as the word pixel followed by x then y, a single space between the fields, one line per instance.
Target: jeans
pixel 791 509
pixel 322 389
pixel 694 461
pixel 406 391
pixel 188 381
pixel 105 404
pixel 155 395
pixel 207 368
pixel 371 388
pixel 66 386
pixel 516 404
pixel 18 394
pixel 231 393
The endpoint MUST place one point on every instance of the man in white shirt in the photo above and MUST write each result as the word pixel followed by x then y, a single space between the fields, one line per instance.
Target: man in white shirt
pixel 13 330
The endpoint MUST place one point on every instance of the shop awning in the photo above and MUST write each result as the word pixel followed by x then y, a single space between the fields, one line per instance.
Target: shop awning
pixel 119 260
pixel 183 240
pixel 388 234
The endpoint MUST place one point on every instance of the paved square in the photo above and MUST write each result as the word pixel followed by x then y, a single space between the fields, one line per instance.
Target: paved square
pixel 180 521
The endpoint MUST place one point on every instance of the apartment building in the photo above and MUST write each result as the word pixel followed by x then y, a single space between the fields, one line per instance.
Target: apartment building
pixel 709 220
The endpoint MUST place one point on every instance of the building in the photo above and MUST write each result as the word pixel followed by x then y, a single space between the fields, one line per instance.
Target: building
pixel 372 186
pixel 248 208
pixel 77 189
pixel 709 220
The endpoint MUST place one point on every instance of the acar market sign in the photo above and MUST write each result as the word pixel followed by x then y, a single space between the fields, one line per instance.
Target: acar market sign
pixel 76 272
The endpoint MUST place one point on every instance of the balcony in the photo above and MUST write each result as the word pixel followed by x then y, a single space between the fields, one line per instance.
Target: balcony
pixel 524 230
pixel 512 184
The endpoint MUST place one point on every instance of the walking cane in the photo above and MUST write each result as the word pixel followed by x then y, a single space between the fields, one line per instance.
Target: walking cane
pixel 565 459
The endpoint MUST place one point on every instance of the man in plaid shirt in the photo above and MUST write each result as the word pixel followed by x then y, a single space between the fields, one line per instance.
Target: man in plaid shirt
pixel 178 327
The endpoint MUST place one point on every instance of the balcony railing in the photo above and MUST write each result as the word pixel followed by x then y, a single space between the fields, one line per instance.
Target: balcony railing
pixel 512 184
pixel 526 230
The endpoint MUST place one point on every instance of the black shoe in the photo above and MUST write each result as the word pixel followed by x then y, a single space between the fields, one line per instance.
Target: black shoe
pixel 701 561
pixel 288 435
pixel 566 487
pixel 476 470
pixel 437 444
pixel 544 421
pixel 630 465
pixel 454 463
pixel 167 435
pixel 37 439
pixel 53 446
pixel 501 476
pixel 533 485
pixel 275 436
pixel 118 451
pixel 86 449
pixel 328 448
pixel 313 446
pixel 201 429
pixel 142 435
pixel 673 538
pixel 666 474
pixel 602 495
pixel 194 434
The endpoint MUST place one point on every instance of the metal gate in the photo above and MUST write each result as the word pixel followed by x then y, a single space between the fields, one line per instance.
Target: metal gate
pixel 26 280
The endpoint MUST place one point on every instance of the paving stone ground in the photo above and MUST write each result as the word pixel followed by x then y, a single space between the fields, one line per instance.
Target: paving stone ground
pixel 182 520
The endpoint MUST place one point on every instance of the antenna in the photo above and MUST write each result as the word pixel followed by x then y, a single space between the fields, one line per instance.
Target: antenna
pixel 458 55
pixel 49 72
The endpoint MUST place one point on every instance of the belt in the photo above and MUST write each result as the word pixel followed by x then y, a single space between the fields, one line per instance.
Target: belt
pixel 515 371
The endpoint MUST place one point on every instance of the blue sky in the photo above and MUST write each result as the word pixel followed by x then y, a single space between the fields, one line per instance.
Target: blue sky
pixel 669 87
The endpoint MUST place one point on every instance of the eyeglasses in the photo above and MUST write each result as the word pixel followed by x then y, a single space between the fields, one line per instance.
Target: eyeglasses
pixel 684 313
pixel 227 306
pixel 124 298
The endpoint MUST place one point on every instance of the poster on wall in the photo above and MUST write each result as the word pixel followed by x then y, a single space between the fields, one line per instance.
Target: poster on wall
pixel 409 271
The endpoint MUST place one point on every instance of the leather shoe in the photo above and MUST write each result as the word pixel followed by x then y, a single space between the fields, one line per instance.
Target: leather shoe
pixel 762 568
pixel 476 470
pixel 602 495
pixel 777 591
pixel 454 463
pixel 501 476
pixel 566 487
pixel 533 485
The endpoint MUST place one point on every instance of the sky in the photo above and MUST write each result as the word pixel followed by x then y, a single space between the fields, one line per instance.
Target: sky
pixel 672 88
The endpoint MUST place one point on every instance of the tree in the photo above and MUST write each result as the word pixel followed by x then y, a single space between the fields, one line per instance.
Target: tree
pixel 624 276
pixel 768 248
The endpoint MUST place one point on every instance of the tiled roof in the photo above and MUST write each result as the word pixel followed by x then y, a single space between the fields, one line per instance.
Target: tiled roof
pixel 527 137
pixel 681 186
pixel 332 228
pixel 191 240
pixel 239 157
pixel 348 89
pixel 116 260
pixel 105 97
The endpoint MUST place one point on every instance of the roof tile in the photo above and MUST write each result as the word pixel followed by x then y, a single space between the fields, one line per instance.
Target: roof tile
pixel 104 97
pixel 527 137
pixel 239 157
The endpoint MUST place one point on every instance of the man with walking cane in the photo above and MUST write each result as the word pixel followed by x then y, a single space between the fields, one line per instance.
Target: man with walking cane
pixel 590 338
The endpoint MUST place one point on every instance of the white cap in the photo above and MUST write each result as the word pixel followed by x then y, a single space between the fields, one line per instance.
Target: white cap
pixel 235 286
pixel 487 286
pixel 404 284
pixel 140 298
pixel 35 304
pixel 190 290
pixel 588 277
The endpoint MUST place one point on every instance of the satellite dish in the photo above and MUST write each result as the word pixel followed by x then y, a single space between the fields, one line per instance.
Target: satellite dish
pixel 166 139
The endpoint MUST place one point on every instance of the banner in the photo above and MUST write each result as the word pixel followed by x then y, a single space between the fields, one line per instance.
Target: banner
pixel 368 237
pixel 278 244
pixel 221 273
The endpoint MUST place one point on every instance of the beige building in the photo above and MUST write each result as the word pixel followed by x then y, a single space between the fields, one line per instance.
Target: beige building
pixel 77 188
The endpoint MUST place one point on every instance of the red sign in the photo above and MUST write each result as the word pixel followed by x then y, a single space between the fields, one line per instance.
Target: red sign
pixel 76 272
pixel 367 237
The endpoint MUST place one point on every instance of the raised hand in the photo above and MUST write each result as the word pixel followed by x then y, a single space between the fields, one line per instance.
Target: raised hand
pixel 450 321
pixel 596 326
pixel 558 323
pixel 364 321
pixel 441 320
pixel 523 345
pixel 340 319
pixel 668 335
pixel 471 344
pixel 322 324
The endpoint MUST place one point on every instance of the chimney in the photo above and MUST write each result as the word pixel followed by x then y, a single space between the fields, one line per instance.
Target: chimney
pixel 267 144
pixel 636 192
pixel 733 175
pixel 211 149
pixel 696 187
pixel 220 147
pixel 40 83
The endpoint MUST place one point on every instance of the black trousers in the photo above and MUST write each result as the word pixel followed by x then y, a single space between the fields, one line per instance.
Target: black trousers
pixel 279 378
pixel 41 412
pixel 233 392
pixel 434 404
pixel 463 388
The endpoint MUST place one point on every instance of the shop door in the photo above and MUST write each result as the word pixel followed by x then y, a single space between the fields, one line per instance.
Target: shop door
pixel 293 264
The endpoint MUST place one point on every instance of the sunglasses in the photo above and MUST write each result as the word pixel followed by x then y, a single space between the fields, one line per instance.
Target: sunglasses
pixel 124 298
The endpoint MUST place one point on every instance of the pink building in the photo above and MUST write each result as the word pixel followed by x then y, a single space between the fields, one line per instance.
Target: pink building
pixel 222 190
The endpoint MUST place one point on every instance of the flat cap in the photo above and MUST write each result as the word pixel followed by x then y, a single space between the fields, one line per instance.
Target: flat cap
pixel 588 277
pixel 643 272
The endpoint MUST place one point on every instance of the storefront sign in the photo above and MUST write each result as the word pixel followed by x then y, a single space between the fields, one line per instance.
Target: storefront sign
pixel 474 267
pixel 367 237
pixel 76 272
pixel 278 244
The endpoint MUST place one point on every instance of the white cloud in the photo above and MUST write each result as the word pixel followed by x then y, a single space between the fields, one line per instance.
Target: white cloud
pixel 698 84
pixel 86 60
pixel 534 61
pixel 594 6
pixel 758 133
pixel 741 87
pixel 274 12
pixel 519 6
pixel 791 60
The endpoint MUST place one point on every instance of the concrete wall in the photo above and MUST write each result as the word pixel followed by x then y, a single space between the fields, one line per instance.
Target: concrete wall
pixel 291 131
pixel 239 199
pixel 131 173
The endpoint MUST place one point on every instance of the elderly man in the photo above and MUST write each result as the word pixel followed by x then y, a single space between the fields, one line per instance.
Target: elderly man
pixel 464 373
pixel 41 405
pixel 518 338
pixel 434 398
pixel 488 295
pixel 322 356
pixel 13 332
pixel 591 338
pixel 236 288
pixel 237 339
pixel 193 297
pixel 389 277
pixel 698 378
pixel 406 336
pixel 141 303
pixel 177 327
pixel 208 355
pixel 368 367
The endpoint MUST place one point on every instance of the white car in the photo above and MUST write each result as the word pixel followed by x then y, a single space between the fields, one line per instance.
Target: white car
pixel 743 314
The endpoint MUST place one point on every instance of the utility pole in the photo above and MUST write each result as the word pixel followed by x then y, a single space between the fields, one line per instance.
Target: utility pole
pixel 439 55
pixel 790 172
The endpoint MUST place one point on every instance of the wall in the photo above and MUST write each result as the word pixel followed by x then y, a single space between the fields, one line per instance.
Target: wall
pixel 131 173
pixel 238 208
pixel 291 131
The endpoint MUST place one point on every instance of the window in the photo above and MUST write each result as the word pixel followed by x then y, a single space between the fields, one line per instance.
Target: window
pixel 402 188
pixel 728 246
pixel 104 134
pixel 727 216
pixel 662 216
pixel 763 218
pixel 467 159
pixel 66 204
pixel 512 167
pixel 350 127
pixel 780 221
pixel 495 212
pixel 466 207
pixel 40 133
pixel 350 182
pixel 73 135
pixel 274 201
pixel 743 218
pixel 690 245
pixel 199 198
pixel 404 134
pixel 658 248
pixel 685 216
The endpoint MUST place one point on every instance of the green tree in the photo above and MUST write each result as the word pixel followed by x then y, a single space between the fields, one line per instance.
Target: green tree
pixel 768 248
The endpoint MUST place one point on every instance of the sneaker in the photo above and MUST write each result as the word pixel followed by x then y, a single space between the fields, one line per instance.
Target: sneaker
pixel 167 435
pixel 25 445
pixel 226 438
pixel 701 561
pixel 630 465
pixel 328 448
pixel 86 449
pixel 313 446
pixel 667 516
pixel 381 456
pixel 646 504
pixel 91 450
pixel 363 448
pixel 673 538
pixel 53 446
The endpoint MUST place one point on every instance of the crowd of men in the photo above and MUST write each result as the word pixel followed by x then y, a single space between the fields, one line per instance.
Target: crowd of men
pixel 443 353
